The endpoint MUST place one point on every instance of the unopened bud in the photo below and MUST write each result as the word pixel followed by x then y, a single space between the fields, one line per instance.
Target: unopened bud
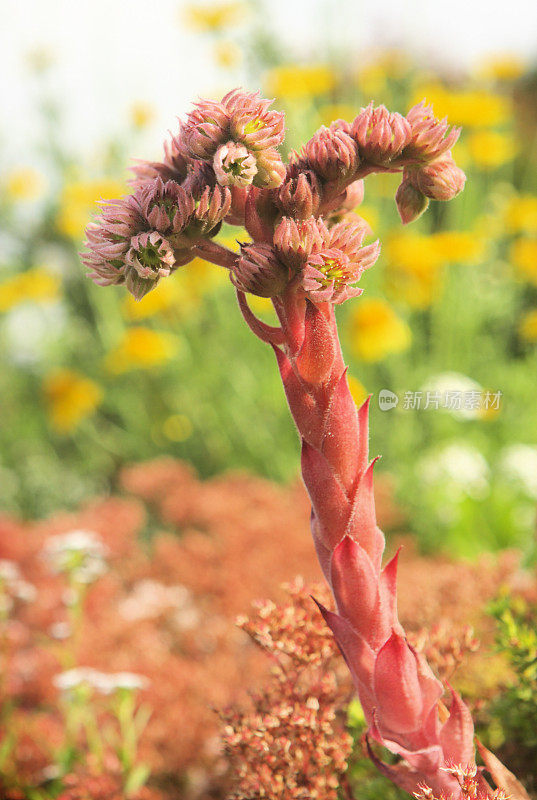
pixel 441 179
pixel 259 271
pixel 411 202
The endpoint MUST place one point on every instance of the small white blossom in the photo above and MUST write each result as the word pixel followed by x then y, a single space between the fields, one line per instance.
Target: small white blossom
pixel 150 599
pixel 78 553
pixel 519 464
pixel 102 682
pixel 458 469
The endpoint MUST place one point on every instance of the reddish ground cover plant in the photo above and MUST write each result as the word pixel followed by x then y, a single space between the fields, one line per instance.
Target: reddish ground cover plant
pixel 307 253
pixel 166 612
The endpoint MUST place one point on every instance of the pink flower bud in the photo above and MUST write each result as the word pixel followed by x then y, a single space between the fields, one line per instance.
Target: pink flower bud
pixel 234 165
pixel 270 169
pixel 441 179
pixel 299 195
pixel 252 122
pixel 206 128
pixel 167 207
pixel 354 196
pixel 430 137
pixel 332 154
pixel 411 202
pixel 295 241
pixel 259 271
pixel 149 258
pixel 380 135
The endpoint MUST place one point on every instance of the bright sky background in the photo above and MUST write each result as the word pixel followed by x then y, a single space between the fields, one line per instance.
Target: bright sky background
pixel 110 53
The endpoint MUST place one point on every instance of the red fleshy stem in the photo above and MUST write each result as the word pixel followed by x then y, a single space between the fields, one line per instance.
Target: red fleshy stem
pixel 399 693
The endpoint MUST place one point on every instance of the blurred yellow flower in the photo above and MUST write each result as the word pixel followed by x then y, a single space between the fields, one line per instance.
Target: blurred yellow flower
pixel 375 331
pixel 524 257
pixel 177 428
pixel 458 247
pixel 295 80
pixel 333 111
pixel 141 348
pixel 24 184
pixel 357 390
pixel 471 108
pixel 502 67
pixel 370 214
pixel 142 114
pixel 69 398
pixel 520 214
pixel 167 296
pixel 414 268
pixel 213 16
pixel 78 201
pixel 528 326
pixel 227 54
pixel 36 285
pixel 372 77
pixel 489 149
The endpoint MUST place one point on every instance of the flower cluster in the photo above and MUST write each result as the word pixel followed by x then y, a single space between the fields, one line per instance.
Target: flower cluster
pixel 224 165
pixel 144 237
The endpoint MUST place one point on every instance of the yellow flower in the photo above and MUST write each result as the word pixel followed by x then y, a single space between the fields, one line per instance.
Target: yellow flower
pixel 24 183
pixel 490 150
pixel 528 326
pixel 375 330
pixel 414 268
pixel 521 214
pixel 357 390
pixel 294 80
pixel 458 247
pixel 78 201
pixel 227 55
pixel 141 348
pixel 524 257
pixel 35 285
pixel 141 114
pixel 70 397
pixel 370 214
pixel 502 67
pixel 213 16
pixel 167 296
pixel 333 111
pixel 471 108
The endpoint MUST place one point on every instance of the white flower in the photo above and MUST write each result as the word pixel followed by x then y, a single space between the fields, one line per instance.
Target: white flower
pixel 78 553
pixel 13 587
pixel 518 462
pixel 458 394
pixel 150 599
pixel 102 682
pixel 459 469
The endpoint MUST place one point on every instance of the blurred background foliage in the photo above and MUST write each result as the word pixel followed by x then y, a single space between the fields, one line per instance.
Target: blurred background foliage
pixel 91 380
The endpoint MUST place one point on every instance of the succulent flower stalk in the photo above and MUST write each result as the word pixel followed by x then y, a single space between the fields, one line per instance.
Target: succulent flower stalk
pixel 308 254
